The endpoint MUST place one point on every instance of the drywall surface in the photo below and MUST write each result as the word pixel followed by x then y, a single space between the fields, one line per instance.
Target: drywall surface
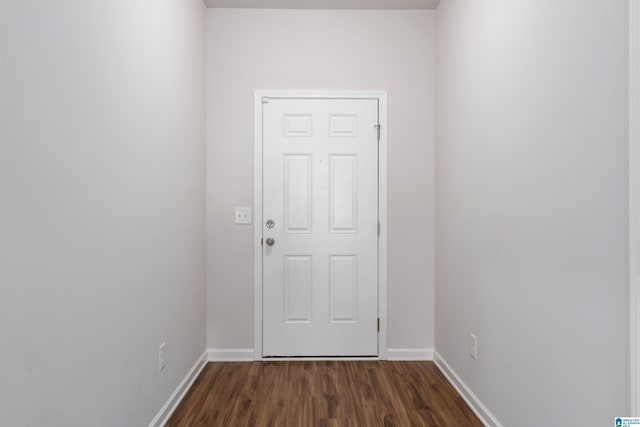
pixel 532 207
pixel 102 202
pixel 315 50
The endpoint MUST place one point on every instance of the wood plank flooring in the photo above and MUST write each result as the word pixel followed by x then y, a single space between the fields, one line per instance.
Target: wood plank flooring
pixel 323 394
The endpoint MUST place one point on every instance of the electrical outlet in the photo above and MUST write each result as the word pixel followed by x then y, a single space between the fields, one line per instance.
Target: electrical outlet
pixel 473 346
pixel 161 357
pixel 243 215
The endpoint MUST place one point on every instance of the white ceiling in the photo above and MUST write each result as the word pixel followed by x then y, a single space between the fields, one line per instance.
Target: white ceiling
pixel 324 4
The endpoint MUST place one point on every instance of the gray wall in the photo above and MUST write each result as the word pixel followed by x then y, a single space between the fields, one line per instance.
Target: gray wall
pixel 102 208
pixel 532 206
pixel 312 49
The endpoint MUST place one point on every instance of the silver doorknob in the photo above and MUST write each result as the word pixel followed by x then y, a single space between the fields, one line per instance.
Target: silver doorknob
pixel 270 241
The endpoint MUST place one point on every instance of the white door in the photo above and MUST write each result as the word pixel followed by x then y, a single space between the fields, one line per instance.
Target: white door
pixel 320 227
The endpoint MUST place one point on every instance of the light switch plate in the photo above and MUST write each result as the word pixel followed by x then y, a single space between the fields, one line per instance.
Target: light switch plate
pixel 243 216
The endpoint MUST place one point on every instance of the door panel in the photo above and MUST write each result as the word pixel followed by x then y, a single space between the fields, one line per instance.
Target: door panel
pixel 320 189
pixel 297 288
pixel 297 193
pixel 343 197
pixel 343 286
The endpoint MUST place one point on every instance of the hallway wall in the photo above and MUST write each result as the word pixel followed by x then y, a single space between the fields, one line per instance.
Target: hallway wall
pixel 102 203
pixel 334 50
pixel 532 207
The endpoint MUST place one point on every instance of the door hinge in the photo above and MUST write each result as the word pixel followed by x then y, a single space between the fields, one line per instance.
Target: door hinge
pixel 378 228
pixel 378 324
pixel 377 126
pixel 262 241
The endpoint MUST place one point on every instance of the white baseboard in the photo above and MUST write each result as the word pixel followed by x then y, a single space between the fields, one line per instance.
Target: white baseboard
pixel 178 394
pixel 486 417
pixel 409 354
pixel 319 359
pixel 247 355
pixel 230 354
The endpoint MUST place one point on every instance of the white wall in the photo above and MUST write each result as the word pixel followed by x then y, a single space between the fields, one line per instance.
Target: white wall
pixel 102 194
pixel 286 49
pixel 532 206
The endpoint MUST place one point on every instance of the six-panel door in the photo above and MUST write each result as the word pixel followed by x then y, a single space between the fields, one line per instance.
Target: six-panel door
pixel 320 189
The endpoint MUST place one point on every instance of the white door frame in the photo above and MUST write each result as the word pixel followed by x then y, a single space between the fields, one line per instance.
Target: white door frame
pixel 381 97
pixel 634 202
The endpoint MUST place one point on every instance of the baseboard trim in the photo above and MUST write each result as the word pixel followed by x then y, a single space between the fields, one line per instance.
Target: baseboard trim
pixel 409 354
pixel 230 355
pixel 317 359
pixel 247 355
pixel 178 394
pixel 486 417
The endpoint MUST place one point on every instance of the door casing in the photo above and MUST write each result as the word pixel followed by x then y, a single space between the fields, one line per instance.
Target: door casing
pixel 381 97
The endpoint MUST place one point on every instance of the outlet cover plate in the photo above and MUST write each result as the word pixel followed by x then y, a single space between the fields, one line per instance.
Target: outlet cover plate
pixel 161 357
pixel 473 346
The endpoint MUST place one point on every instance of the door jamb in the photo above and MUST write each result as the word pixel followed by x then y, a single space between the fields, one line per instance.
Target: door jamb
pixel 634 204
pixel 381 97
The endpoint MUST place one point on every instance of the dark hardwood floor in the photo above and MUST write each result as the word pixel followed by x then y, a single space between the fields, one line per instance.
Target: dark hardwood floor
pixel 323 394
